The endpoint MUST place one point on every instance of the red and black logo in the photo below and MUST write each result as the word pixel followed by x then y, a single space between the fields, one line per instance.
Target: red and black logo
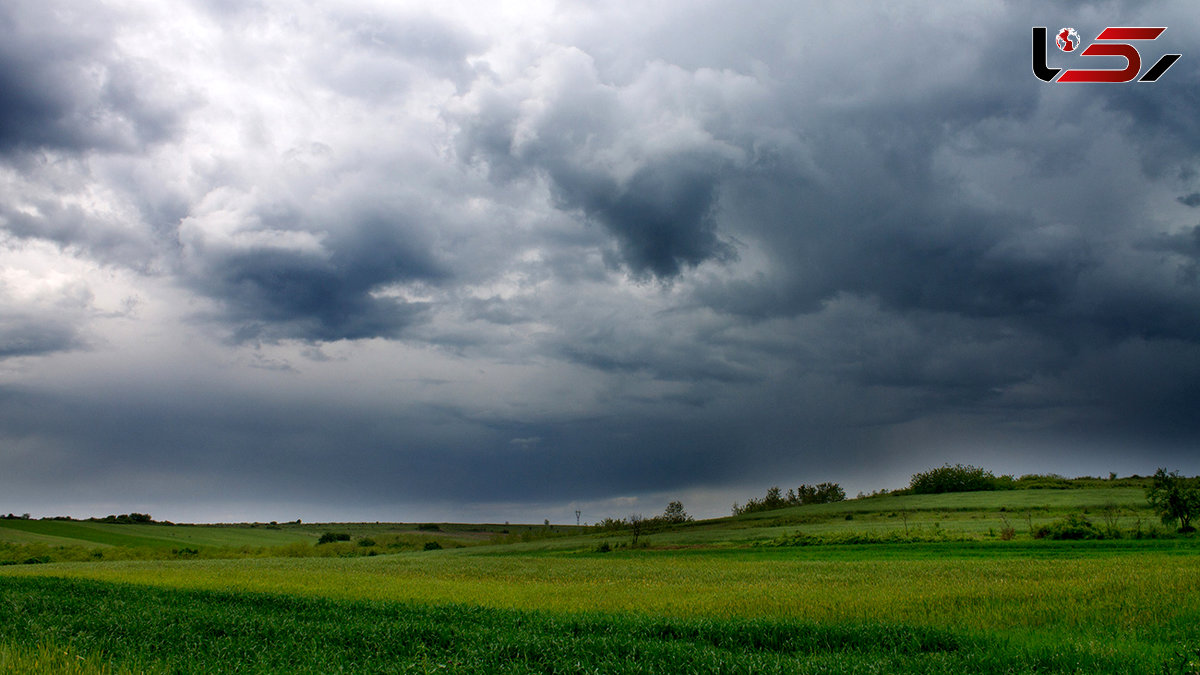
pixel 1112 41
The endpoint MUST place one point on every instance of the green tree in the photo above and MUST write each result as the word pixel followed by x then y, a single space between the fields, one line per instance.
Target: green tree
pixel 637 524
pixel 1175 498
pixel 774 498
pixel 675 513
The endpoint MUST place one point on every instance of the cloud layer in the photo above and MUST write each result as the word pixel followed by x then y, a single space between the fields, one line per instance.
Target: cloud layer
pixel 421 261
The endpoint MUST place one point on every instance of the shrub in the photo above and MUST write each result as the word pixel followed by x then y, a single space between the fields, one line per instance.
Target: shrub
pixel 125 519
pixel 330 537
pixel 1074 526
pixel 432 546
pixel 821 493
pixel 429 527
pixel 957 478
pixel 1044 481
pixel 366 541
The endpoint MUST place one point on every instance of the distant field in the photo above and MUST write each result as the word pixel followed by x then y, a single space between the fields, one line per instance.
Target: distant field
pixel 1012 500
pixel 58 540
pixel 975 513
pixel 937 590
pixel 110 534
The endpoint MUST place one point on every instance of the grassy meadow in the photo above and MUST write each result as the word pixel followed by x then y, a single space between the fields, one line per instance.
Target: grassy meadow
pixel 887 584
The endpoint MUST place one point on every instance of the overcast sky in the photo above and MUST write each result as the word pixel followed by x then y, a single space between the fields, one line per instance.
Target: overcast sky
pixel 502 261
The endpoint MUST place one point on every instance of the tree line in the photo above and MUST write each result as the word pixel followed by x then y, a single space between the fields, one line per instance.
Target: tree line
pixel 821 493
pixel 1175 498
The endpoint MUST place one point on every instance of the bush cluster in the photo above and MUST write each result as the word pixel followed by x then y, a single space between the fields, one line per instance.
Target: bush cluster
pixel 1044 481
pixel 957 478
pixel 821 493
pixel 330 537
pixel 1073 526
pixel 674 514
pixel 125 519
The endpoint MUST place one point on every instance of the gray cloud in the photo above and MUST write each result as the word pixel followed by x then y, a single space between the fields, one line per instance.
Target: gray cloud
pixel 318 293
pixel 67 88
pixel 27 336
pixel 648 175
pixel 393 257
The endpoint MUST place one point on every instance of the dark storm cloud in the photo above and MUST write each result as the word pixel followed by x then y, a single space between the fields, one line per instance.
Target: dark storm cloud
pixel 958 200
pixel 592 142
pixel 662 218
pixel 1159 118
pixel 282 295
pixel 28 336
pixel 245 449
pixel 328 294
pixel 1186 243
pixel 63 87
pixel 618 251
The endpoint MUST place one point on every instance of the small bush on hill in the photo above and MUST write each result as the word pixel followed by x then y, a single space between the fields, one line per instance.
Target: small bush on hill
pixel 610 524
pixel 432 546
pixel 957 478
pixel 821 493
pixel 125 519
pixel 330 537
pixel 1043 481
pixel 638 524
pixel 1074 526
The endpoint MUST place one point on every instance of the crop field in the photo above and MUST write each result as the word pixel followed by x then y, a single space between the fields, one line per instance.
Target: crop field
pixel 763 592
pixel 88 541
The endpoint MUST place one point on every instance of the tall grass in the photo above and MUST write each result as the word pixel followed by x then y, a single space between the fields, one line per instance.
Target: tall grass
pixel 41 657
pixel 1149 597
pixel 122 627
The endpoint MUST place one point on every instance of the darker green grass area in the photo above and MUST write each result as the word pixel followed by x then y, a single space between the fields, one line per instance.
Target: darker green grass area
pixel 915 550
pixel 216 632
pixel 95 533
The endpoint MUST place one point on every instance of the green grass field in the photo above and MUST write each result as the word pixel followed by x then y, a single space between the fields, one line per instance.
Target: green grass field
pixel 731 595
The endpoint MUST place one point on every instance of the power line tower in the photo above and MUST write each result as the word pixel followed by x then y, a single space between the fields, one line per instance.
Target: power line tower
pixel 577 512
